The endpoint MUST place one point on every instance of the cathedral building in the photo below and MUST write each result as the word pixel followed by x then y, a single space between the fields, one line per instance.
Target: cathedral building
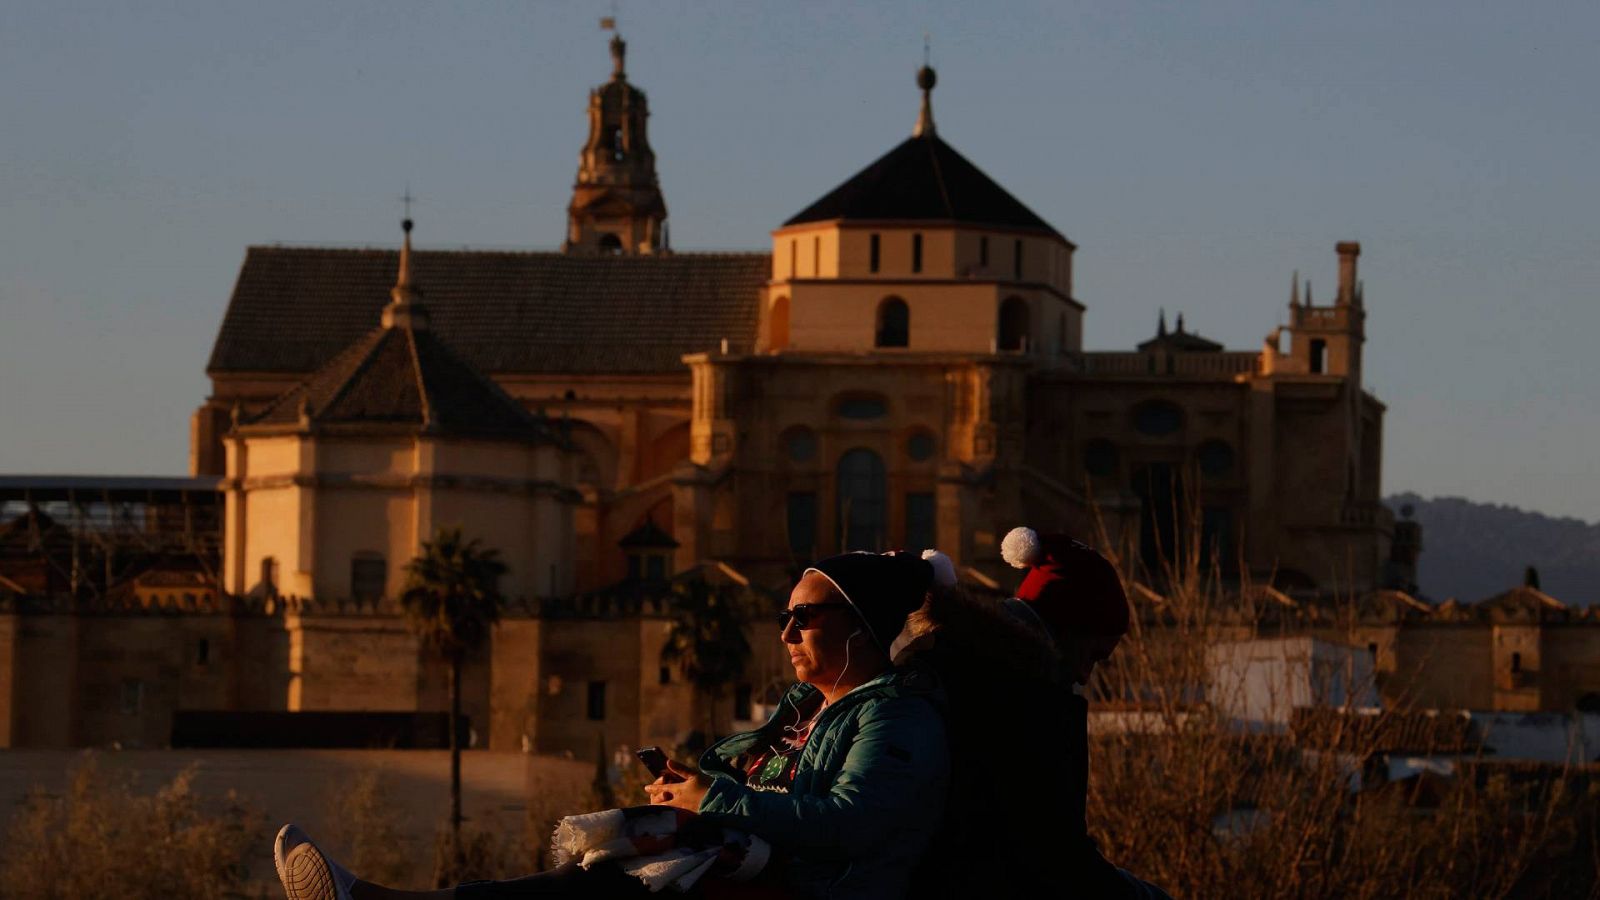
pixel 904 368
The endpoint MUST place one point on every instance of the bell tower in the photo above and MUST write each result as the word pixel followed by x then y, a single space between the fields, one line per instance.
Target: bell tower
pixel 616 203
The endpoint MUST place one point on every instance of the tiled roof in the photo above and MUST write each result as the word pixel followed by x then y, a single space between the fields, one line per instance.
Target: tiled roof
pixel 407 377
pixel 295 308
pixel 924 178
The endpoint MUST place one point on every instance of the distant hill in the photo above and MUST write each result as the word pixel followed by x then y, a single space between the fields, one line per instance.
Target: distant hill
pixel 1475 550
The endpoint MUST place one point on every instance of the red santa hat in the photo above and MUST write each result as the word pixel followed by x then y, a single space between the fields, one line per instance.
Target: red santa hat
pixel 1074 589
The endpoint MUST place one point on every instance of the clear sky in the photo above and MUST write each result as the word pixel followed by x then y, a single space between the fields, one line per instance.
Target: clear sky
pixel 1196 152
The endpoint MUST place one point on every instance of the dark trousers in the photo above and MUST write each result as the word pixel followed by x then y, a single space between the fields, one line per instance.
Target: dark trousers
pixel 570 880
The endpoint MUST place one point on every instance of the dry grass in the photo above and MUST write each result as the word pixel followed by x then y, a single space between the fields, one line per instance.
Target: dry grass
pixel 105 839
pixel 1206 809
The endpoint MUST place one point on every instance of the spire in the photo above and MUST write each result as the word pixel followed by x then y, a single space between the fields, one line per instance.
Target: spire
pixel 1161 323
pixel 926 79
pixel 1294 288
pixel 404 310
pixel 1308 292
pixel 1180 323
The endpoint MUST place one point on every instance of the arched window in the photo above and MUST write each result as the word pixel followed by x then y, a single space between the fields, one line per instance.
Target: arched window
pixel 1014 324
pixel 894 323
pixel 269 576
pixel 862 492
pixel 778 324
pixel 610 243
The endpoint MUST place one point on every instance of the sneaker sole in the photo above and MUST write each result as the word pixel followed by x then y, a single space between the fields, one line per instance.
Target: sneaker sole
pixel 306 876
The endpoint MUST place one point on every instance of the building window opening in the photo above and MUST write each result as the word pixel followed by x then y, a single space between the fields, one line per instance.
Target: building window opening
pixel 1319 356
pixel 132 697
pixel 921 521
pixel 202 652
pixel 1016 261
pixel 894 323
pixel 665 675
pixel 816 257
pixel 916 253
pixel 794 257
pixel 616 144
pixel 983 251
pixel 597 701
pixel 368 574
pixel 610 243
pixel 1013 324
pixel 862 495
pixel 1516 663
pixel 269 576
pixel 1372 650
pixel 801 521
pixel 873 254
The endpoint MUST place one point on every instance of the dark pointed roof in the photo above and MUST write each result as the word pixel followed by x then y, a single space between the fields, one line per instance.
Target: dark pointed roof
pixel 405 377
pixel 924 178
pixel 295 308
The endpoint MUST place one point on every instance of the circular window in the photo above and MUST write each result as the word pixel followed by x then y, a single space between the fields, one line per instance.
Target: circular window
pixel 800 444
pixel 862 406
pixel 1215 458
pixel 1158 418
pixel 921 446
pixel 1100 457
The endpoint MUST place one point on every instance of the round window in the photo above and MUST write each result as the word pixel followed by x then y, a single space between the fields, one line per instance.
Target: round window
pixel 1100 457
pixel 921 446
pixel 1158 418
pixel 800 444
pixel 1215 458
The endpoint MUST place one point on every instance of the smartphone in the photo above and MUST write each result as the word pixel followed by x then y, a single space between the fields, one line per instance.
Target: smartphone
pixel 655 759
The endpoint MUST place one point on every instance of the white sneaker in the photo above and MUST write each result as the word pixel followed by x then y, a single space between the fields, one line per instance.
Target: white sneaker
pixel 306 873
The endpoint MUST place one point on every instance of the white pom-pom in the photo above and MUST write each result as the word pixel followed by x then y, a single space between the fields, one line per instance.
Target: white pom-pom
pixel 944 569
pixel 1020 547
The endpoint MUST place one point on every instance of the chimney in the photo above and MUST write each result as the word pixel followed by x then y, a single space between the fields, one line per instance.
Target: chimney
pixel 1348 251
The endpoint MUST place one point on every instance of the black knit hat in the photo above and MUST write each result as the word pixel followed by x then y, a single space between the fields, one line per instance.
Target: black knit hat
pixel 883 588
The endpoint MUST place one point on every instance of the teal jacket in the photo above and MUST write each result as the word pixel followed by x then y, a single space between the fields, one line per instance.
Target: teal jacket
pixel 869 787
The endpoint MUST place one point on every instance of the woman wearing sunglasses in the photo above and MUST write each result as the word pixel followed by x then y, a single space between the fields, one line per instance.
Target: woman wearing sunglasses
pixel 846 783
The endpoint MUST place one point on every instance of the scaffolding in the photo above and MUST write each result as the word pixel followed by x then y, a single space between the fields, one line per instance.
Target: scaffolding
pixel 91 535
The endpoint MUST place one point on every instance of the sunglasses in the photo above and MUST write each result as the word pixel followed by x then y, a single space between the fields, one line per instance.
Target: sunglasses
pixel 802 615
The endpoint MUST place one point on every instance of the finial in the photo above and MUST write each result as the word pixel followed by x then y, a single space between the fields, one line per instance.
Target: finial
pixel 926 79
pixel 1161 323
pixel 619 52
pixel 1294 288
pixel 403 308
pixel 1308 292
pixel 1180 323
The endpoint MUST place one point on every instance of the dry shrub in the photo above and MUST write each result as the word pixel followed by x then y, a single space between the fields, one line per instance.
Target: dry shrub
pixel 105 839
pixel 553 793
pixel 1206 809
pixel 491 850
pixel 363 827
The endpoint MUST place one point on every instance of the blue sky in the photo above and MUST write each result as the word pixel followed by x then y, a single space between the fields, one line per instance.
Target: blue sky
pixel 1196 152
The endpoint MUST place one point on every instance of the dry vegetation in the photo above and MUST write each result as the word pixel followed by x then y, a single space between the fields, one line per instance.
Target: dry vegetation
pixel 1208 810
pixel 104 838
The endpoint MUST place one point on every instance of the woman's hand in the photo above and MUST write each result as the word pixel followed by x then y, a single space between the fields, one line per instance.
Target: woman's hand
pixel 680 787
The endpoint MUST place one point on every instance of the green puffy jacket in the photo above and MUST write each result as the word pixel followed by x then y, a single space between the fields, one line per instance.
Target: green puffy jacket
pixel 868 791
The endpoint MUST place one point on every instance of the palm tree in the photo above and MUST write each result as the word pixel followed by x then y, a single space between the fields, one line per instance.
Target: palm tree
pixel 707 640
pixel 452 601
